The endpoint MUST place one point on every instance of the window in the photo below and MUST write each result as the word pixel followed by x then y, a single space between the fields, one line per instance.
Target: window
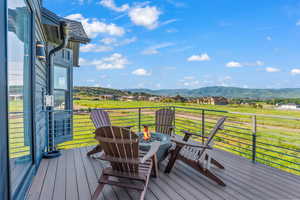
pixel 59 100
pixel 19 57
pixel 60 78
pixel 61 87
pixel 66 54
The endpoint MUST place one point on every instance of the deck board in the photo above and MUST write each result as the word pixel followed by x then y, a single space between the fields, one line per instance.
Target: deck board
pixel 74 176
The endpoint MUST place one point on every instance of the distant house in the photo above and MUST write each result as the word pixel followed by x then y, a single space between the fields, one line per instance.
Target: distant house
pixel 155 99
pixel 106 97
pixel 212 100
pixel 142 98
pixel 128 98
pixel 179 98
pixel 290 106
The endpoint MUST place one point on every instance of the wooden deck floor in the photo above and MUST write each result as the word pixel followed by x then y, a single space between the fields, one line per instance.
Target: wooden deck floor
pixel 73 176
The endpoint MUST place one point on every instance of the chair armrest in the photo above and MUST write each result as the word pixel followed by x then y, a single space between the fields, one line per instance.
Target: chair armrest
pixel 128 127
pixel 190 134
pixel 153 149
pixel 147 124
pixel 183 143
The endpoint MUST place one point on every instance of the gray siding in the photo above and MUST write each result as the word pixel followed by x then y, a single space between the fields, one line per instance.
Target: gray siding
pixel 40 86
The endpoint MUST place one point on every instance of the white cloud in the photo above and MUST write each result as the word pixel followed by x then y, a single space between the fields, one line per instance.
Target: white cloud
pixel 126 41
pixel 171 30
pixel 295 71
pixel 226 78
pixel 272 69
pixel 176 3
pixel 193 83
pixel 269 38
pixel 233 64
pixel 140 14
pixel 108 40
pixel 141 72
pixel 111 4
pixel 298 23
pixel 95 48
pixel 83 61
pixel 115 42
pixel 94 27
pixel 147 16
pixel 114 61
pixel 253 64
pixel 170 21
pixel 154 49
pixel 189 78
pixel 201 57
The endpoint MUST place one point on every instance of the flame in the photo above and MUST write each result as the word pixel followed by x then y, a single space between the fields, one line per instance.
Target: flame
pixel 147 135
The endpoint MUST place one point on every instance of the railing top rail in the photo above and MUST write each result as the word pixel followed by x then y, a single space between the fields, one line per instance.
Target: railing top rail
pixel 264 115
pixel 188 108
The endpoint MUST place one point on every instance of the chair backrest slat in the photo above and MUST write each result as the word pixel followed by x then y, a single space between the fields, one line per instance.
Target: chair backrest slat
pixel 119 144
pixel 100 118
pixel 164 119
pixel 211 136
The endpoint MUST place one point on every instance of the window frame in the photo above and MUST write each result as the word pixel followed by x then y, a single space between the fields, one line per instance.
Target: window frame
pixel 24 183
pixel 4 155
pixel 67 91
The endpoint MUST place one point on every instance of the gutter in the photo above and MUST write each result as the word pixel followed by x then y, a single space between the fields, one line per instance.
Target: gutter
pixel 64 32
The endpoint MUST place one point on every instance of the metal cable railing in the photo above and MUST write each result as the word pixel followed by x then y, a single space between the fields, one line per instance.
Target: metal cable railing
pixel 261 138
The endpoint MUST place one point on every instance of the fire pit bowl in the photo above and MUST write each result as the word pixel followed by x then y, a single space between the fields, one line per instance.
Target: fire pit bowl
pixel 165 144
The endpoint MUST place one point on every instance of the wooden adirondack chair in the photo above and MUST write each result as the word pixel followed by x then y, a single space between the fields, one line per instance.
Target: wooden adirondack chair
pixel 100 118
pixel 121 149
pixel 197 156
pixel 164 119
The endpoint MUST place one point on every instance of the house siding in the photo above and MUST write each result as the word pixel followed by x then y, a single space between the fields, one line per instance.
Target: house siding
pixel 40 84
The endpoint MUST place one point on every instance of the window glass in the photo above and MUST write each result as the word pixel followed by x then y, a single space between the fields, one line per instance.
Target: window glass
pixel 19 87
pixel 59 100
pixel 68 55
pixel 60 78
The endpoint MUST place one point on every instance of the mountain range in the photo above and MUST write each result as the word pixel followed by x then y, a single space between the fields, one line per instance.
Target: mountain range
pixel 228 92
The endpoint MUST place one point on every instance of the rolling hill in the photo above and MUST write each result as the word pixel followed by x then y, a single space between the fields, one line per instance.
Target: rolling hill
pixel 229 92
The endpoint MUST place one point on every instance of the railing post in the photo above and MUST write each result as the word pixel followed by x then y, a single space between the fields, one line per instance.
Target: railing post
pixel 174 123
pixel 139 110
pixel 203 125
pixel 254 130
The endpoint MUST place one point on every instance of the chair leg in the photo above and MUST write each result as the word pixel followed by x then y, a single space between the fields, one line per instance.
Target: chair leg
pixel 213 177
pixel 202 170
pixel 97 149
pixel 99 187
pixel 215 162
pixel 155 166
pixel 172 159
pixel 145 188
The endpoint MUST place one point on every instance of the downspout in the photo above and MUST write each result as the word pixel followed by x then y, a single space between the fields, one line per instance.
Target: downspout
pixel 64 32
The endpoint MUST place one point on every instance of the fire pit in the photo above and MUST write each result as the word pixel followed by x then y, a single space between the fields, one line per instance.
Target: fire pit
pixel 146 141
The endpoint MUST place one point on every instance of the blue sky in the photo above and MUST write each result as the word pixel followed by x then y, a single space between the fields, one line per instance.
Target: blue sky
pixel 187 43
